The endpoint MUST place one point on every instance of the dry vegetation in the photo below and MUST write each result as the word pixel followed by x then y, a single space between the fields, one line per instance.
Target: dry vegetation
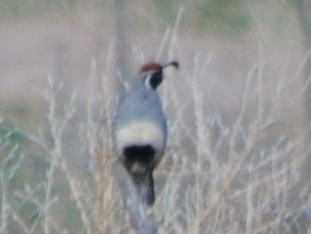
pixel 236 148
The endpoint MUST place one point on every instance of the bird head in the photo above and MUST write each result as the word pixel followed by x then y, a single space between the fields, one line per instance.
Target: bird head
pixel 153 73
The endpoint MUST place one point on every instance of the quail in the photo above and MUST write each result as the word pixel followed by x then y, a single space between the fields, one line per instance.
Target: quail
pixel 140 129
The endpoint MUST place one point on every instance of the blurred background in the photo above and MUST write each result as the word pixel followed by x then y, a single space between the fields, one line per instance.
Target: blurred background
pixel 61 38
pixel 47 45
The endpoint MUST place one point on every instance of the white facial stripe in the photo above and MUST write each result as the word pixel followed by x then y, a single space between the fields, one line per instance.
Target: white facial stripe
pixel 140 133
pixel 147 81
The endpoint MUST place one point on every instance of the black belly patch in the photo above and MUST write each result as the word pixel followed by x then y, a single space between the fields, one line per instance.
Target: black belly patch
pixel 139 159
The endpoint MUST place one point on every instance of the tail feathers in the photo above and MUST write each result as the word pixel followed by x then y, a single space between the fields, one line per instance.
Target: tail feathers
pixel 145 188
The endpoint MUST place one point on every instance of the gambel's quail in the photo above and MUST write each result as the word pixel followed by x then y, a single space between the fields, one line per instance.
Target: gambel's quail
pixel 140 129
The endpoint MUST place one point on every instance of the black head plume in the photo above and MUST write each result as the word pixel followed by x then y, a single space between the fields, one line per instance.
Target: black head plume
pixel 173 63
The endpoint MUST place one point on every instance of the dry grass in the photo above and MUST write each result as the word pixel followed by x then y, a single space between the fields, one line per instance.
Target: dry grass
pixel 234 157
pixel 215 178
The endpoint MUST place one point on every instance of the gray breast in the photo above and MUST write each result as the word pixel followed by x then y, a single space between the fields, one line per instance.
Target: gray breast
pixel 140 121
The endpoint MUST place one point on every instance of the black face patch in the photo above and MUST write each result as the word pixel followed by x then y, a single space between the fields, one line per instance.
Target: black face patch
pixel 155 79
